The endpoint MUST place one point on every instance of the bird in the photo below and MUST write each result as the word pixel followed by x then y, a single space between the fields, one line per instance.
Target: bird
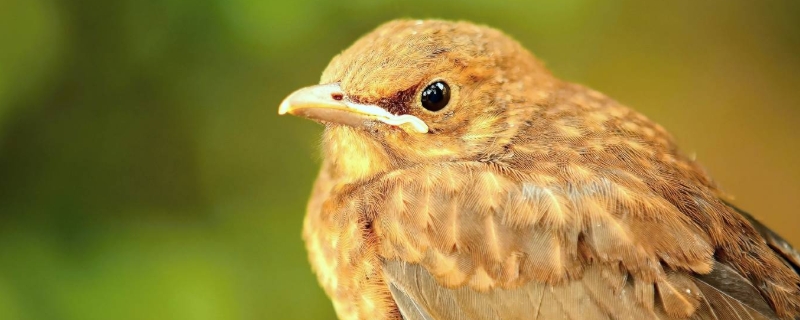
pixel 460 179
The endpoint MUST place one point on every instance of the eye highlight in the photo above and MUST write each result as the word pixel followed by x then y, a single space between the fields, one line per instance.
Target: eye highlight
pixel 435 96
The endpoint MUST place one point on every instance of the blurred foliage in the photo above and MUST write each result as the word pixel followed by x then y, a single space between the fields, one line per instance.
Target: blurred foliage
pixel 144 173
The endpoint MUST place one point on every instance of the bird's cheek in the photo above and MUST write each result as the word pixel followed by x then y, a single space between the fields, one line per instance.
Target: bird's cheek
pixel 427 148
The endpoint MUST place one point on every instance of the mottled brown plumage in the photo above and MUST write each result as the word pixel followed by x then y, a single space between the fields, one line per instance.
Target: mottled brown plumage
pixel 526 197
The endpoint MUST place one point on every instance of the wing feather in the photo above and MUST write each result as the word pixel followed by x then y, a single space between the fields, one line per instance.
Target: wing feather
pixel 595 250
pixel 720 295
pixel 782 247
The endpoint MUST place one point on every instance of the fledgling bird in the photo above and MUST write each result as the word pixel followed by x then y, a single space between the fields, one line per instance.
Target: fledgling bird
pixel 461 180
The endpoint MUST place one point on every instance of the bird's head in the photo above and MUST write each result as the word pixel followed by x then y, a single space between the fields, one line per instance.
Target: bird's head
pixel 414 92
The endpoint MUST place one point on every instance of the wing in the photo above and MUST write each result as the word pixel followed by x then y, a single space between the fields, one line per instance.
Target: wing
pixel 478 241
pixel 602 293
pixel 775 242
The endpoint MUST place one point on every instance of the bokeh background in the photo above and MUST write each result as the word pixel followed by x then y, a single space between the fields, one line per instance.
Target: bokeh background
pixel 145 174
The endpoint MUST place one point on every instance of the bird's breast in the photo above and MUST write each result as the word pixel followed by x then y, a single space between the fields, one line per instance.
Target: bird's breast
pixel 343 251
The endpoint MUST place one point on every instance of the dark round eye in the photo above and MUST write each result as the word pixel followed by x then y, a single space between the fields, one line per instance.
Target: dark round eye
pixel 436 96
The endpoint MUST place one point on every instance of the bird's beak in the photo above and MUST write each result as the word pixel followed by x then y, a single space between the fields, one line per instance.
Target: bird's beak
pixel 327 102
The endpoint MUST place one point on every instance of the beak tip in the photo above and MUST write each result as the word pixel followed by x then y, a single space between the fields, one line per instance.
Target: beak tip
pixel 284 108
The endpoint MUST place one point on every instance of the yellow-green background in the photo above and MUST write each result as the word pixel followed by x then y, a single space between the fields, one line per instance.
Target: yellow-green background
pixel 145 174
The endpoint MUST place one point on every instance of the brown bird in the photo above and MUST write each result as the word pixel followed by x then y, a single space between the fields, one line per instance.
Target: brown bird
pixel 461 180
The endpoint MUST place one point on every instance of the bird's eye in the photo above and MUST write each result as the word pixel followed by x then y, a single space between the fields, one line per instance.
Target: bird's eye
pixel 436 96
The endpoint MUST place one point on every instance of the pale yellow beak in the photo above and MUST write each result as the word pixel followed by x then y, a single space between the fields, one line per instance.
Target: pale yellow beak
pixel 327 102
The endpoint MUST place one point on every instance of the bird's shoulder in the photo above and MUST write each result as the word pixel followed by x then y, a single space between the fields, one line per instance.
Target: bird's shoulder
pixel 488 225
pixel 484 228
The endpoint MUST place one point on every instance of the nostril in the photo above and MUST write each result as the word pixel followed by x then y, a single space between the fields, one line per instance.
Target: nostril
pixel 337 96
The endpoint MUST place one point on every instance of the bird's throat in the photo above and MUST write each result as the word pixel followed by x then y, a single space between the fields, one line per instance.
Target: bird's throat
pixel 353 155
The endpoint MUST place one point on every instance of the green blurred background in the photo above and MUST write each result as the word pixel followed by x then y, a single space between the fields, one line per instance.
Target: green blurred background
pixel 145 174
